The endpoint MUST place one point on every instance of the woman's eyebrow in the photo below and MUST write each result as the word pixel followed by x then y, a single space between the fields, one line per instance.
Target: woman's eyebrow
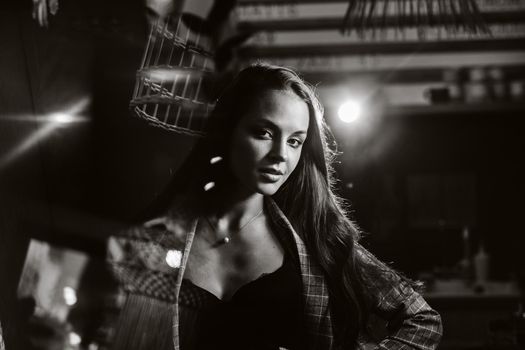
pixel 266 122
pixel 274 126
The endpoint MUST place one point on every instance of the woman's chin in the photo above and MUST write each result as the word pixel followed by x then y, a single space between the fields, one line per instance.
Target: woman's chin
pixel 264 188
pixel 268 189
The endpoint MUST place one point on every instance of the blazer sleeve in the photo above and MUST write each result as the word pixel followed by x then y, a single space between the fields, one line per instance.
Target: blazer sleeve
pixel 411 323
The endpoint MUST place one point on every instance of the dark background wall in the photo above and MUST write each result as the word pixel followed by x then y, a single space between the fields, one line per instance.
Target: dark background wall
pixel 418 180
pixel 75 184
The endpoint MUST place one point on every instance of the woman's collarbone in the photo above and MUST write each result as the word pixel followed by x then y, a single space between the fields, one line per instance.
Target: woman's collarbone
pixel 224 270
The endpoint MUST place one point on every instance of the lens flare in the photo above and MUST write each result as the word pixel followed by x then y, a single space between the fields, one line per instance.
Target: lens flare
pixel 62 118
pixel 48 123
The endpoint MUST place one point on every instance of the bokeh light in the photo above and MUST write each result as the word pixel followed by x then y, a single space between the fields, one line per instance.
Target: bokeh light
pixel 349 111
pixel 70 296
pixel 174 258
pixel 74 338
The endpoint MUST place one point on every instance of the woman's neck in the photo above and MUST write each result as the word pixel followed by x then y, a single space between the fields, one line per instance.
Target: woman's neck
pixel 231 211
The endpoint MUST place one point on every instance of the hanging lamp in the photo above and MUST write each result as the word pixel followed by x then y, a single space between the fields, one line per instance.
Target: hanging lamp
pixel 452 15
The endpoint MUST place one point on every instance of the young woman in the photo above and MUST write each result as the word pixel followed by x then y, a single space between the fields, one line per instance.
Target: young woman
pixel 251 248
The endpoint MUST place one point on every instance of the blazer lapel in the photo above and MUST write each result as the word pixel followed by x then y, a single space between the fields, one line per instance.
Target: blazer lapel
pixel 187 247
pixel 315 290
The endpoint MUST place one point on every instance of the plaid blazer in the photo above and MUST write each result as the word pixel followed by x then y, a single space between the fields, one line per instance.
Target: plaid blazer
pixel 149 261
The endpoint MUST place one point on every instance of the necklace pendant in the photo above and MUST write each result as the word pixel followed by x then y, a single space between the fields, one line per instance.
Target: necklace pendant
pixel 227 239
pixel 221 242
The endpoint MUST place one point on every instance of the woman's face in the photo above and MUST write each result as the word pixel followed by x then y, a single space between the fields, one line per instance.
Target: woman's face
pixel 267 141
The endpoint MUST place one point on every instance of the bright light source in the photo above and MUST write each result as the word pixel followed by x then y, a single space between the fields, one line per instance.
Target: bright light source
pixel 174 258
pixel 74 339
pixel 48 123
pixel 349 111
pixel 62 118
pixel 70 296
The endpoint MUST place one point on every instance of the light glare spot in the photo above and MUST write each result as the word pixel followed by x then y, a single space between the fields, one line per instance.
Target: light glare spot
pixel 70 296
pixel 209 186
pixel 349 111
pixel 160 74
pixel 173 258
pixel 62 118
pixel 215 160
pixel 74 339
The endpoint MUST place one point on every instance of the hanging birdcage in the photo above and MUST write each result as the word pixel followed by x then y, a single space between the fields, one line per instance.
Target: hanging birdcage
pixel 169 88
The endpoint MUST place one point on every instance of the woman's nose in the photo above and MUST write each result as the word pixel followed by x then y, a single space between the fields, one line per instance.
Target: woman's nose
pixel 279 151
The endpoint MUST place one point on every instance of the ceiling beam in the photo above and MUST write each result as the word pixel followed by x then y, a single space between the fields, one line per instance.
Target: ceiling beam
pixel 484 45
pixel 336 23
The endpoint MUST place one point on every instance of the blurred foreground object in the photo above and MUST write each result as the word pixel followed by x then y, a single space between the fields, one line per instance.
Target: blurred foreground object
pixel 455 15
pixel 49 276
pixel 47 292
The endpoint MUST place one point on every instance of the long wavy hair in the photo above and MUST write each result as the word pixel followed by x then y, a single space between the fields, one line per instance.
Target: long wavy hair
pixel 353 275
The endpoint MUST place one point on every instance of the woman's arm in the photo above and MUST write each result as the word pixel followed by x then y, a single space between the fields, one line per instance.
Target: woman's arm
pixel 411 322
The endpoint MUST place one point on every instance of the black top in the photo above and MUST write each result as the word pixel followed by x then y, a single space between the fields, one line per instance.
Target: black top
pixel 263 314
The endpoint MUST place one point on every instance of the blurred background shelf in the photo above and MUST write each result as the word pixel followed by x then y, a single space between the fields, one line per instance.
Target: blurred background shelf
pixel 502 109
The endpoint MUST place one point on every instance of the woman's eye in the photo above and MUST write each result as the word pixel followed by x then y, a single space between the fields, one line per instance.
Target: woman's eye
pixel 263 133
pixel 295 143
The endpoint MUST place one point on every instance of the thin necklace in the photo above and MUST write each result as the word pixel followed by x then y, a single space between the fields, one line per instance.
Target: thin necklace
pixel 227 239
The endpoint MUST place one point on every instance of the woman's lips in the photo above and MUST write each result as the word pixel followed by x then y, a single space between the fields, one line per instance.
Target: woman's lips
pixel 271 175
pixel 275 171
